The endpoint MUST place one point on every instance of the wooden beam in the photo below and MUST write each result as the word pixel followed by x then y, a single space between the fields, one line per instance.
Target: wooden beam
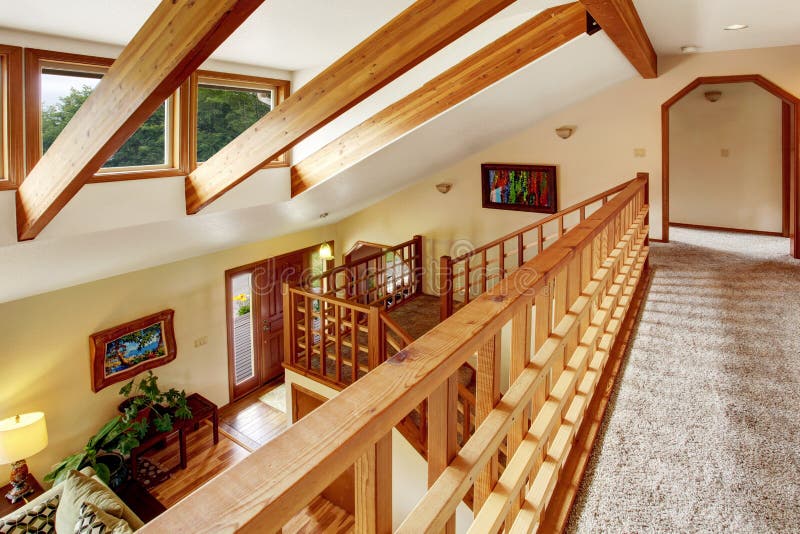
pixel 172 43
pixel 622 24
pixel 414 35
pixel 516 49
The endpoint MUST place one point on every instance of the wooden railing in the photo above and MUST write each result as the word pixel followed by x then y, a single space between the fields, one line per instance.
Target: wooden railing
pixel 471 274
pixel 565 308
pixel 384 279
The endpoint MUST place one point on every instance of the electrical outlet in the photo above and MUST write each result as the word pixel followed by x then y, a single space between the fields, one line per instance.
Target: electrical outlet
pixel 639 152
pixel 200 341
pixel 725 152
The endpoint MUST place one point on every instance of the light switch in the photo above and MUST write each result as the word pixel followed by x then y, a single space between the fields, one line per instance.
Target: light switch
pixel 200 341
pixel 725 152
pixel 639 152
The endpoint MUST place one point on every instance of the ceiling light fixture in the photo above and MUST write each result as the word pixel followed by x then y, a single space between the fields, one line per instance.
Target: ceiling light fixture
pixel 736 27
pixel 689 49
pixel 444 187
pixel 565 132
pixel 713 96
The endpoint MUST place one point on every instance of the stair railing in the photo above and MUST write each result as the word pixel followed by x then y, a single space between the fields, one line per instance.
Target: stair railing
pixel 564 308
pixel 463 278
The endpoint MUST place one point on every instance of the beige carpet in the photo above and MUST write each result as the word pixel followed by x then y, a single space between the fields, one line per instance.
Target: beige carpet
pixel 703 430
pixel 275 397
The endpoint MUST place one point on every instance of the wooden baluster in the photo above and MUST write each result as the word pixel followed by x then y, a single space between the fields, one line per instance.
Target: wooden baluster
pixel 540 239
pixel 323 327
pixel 560 225
pixel 520 358
pixel 418 264
pixel 309 334
pixel 442 444
pixel 520 251
pixel 487 396
pixel 573 291
pixel 583 213
pixel 373 487
pixel 355 345
pixel 502 260
pixel 376 338
pixel 467 281
pixel 559 311
pixel 445 287
pixel 484 273
pixel 337 320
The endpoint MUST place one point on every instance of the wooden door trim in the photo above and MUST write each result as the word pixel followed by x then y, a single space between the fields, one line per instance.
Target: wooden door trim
pixel 791 114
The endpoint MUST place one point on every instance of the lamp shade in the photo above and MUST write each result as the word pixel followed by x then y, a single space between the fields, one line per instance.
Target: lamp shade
pixel 325 252
pixel 22 436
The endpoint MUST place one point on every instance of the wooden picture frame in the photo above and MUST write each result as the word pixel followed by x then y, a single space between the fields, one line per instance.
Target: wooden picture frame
pixel 154 340
pixel 520 187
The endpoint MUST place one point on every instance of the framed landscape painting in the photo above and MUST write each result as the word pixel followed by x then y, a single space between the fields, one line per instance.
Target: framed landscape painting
pixel 519 187
pixel 124 351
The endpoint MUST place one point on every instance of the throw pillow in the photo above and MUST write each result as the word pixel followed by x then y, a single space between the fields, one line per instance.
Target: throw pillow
pixel 40 518
pixel 78 489
pixel 92 520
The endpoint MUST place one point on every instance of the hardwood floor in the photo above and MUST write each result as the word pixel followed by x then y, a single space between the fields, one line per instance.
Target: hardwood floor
pixel 250 422
pixel 205 461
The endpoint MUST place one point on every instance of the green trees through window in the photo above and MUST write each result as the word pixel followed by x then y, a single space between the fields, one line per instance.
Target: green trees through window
pixel 223 113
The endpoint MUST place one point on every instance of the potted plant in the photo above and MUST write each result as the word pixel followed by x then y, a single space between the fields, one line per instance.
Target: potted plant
pixel 146 403
pixel 105 439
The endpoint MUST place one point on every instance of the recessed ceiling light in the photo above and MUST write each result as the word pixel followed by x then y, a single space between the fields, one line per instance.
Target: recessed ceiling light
pixel 735 27
pixel 689 49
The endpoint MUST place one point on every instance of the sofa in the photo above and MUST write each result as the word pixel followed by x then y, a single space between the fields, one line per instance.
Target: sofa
pixel 123 512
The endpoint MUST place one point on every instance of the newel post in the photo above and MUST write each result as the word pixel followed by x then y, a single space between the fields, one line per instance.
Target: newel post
pixel 288 325
pixel 418 264
pixel 445 287
pixel 376 345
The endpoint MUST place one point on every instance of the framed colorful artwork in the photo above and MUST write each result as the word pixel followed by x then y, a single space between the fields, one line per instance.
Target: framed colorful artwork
pixel 519 187
pixel 124 351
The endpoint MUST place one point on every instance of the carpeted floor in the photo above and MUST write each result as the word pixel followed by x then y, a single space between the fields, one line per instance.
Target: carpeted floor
pixel 703 431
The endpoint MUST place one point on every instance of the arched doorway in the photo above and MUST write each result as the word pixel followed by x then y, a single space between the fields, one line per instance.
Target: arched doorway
pixel 791 154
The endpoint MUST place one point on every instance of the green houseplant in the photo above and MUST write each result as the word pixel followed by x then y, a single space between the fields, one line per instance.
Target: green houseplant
pixel 145 404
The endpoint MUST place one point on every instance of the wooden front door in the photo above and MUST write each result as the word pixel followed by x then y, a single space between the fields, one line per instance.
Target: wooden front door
pixel 255 319
pixel 284 269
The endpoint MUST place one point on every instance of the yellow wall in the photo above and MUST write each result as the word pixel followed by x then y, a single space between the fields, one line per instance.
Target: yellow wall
pixel 739 188
pixel 600 154
pixel 44 340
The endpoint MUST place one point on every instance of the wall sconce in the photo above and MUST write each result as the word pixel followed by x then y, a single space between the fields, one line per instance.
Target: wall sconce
pixel 565 132
pixel 713 96
pixel 325 252
pixel 444 187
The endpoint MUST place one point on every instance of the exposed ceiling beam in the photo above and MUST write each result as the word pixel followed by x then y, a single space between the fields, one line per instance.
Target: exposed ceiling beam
pixel 172 43
pixel 414 35
pixel 622 24
pixel 536 37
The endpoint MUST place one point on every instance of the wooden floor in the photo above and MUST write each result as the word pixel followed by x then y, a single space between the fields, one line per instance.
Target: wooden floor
pixel 244 426
pixel 205 461
pixel 250 422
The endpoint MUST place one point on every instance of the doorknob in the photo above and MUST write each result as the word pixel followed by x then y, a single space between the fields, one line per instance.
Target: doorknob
pixel 266 327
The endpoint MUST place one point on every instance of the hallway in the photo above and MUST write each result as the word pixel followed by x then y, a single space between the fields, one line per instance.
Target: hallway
pixel 702 430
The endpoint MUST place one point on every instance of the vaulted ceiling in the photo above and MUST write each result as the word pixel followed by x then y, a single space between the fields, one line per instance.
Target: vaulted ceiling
pixel 302 35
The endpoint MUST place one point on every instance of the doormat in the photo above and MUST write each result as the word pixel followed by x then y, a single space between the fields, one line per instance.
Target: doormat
pixel 150 474
pixel 276 398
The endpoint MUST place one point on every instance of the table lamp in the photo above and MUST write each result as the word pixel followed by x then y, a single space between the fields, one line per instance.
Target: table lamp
pixel 21 436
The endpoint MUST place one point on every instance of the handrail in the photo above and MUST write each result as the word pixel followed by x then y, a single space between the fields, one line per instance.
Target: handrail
pixel 449 277
pixel 370 280
pixel 578 289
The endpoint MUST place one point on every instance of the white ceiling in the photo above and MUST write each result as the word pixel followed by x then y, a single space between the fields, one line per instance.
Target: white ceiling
pixel 672 24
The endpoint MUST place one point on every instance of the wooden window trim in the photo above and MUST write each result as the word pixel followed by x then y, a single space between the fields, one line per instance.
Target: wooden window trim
pixel 35 59
pixel 282 90
pixel 12 147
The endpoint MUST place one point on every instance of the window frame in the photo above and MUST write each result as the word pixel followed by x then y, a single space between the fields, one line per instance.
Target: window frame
pixel 12 147
pixel 177 107
pixel 281 90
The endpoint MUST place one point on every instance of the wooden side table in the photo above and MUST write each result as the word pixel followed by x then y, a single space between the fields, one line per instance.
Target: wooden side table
pixel 154 437
pixel 6 507
pixel 202 409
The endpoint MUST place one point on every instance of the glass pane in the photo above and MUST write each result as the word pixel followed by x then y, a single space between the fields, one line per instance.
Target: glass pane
pixel 243 351
pixel 64 92
pixel 225 112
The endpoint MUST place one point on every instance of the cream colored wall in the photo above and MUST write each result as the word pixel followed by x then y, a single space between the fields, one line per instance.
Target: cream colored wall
pixel 44 340
pixel 609 126
pixel 742 189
